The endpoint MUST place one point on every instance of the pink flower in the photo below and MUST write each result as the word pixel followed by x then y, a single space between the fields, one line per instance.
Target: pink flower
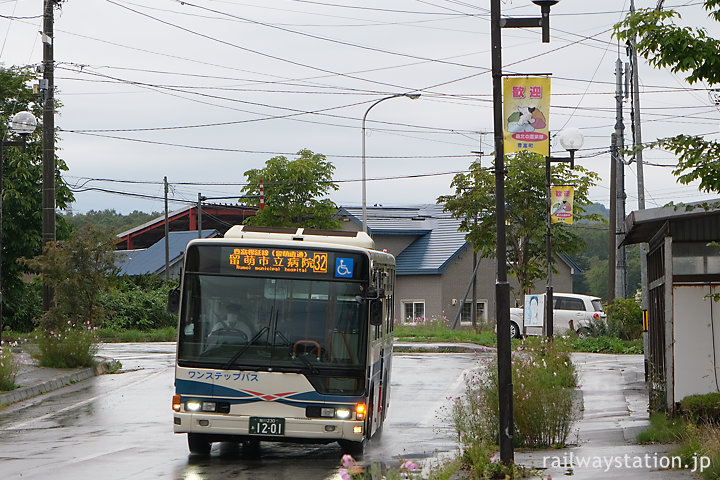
pixel 348 461
pixel 344 474
pixel 410 466
pixel 495 458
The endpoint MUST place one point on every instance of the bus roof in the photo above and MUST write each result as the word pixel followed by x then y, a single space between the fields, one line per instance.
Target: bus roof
pixel 336 237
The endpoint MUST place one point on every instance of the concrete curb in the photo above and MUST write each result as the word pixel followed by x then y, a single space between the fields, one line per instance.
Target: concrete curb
pixel 104 365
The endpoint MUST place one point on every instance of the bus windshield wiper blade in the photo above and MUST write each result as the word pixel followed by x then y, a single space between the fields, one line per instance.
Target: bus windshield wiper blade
pixel 244 349
pixel 313 369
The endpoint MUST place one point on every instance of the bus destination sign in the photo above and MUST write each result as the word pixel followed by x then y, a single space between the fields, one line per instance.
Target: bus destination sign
pixel 255 259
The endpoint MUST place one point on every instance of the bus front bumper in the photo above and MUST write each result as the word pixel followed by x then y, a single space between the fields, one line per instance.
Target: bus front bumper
pixel 321 430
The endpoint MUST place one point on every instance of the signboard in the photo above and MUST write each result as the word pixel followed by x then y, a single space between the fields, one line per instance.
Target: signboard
pixel 278 260
pixel 526 106
pixel 534 310
pixel 561 204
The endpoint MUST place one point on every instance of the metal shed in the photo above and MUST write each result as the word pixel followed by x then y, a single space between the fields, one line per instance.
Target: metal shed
pixel 684 282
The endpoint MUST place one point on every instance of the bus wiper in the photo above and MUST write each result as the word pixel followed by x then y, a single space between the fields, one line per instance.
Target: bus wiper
pixel 308 364
pixel 278 333
pixel 245 348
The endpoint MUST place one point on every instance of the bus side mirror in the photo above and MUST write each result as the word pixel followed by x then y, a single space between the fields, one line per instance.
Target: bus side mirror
pixel 173 305
pixel 376 314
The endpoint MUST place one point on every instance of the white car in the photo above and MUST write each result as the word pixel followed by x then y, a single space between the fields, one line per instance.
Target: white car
pixel 567 307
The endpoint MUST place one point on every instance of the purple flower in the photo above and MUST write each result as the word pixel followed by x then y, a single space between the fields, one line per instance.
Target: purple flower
pixel 410 466
pixel 344 474
pixel 348 461
pixel 495 458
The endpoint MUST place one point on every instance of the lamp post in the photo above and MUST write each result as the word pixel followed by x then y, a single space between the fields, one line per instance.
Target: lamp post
pixel 412 96
pixel 572 140
pixel 22 124
pixel 502 288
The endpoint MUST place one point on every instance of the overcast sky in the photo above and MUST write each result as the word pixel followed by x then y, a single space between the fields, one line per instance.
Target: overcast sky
pixel 202 91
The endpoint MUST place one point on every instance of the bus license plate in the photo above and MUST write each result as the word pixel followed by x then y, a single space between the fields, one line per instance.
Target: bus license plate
pixel 267 426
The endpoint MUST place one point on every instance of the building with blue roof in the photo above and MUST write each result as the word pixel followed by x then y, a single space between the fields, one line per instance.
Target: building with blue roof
pixel 435 263
pixel 151 260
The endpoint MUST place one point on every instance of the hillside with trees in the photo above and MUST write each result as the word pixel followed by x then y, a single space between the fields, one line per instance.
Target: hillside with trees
pixel 109 220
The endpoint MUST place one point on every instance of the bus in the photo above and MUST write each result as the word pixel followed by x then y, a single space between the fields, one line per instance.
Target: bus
pixel 284 335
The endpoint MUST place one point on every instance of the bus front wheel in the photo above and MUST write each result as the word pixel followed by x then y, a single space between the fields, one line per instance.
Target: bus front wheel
pixel 198 444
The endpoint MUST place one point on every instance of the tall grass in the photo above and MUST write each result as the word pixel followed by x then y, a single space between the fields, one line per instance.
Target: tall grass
pixel 8 367
pixel 693 440
pixel 544 381
pixel 70 347
pixel 108 335
pixel 438 330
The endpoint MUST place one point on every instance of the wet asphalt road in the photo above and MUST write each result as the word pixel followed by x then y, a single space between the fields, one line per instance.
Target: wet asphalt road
pixel 120 426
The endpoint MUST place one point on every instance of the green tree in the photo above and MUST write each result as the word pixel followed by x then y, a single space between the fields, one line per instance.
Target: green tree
pixel 595 278
pixel 525 192
pixel 292 192
pixel 684 50
pixel 22 198
pixel 78 271
pixel 109 220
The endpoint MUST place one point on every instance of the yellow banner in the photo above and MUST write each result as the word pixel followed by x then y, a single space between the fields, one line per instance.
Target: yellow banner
pixel 526 106
pixel 561 204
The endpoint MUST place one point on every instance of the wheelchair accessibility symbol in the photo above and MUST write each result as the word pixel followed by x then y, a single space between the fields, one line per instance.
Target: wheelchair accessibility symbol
pixel 344 267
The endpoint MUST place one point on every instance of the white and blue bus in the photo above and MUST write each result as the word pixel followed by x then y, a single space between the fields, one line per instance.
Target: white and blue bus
pixel 284 335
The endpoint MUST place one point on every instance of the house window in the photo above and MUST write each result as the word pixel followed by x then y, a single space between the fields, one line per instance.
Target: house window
pixel 466 314
pixel 413 311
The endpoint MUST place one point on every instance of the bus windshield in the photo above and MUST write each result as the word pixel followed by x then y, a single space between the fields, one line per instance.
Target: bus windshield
pixel 316 327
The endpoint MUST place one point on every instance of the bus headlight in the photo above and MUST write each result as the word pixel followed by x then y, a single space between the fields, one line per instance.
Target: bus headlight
pixel 192 406
pixel 342 413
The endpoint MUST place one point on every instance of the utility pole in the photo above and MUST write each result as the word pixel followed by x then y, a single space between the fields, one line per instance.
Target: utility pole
pixel 48 142
pixel 612 227
pixel 167 232
pixel 502 287
pixel 638 150
pixel 620 264
pixel 199 215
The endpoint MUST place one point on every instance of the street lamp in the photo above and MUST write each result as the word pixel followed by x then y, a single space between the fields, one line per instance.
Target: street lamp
pixel 502 287
pixel 412 96
pixel 22 124
pixel 572 140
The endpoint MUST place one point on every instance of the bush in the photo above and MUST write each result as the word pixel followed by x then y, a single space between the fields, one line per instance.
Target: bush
pixel 8 367
pixel 544 381
pixel 624 318
pixel 138 303
pixel 73 346
pixel 702 408
pixel 77 270
pixel 22 307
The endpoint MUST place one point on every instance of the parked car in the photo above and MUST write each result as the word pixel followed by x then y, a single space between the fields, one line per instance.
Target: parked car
pixel 567 307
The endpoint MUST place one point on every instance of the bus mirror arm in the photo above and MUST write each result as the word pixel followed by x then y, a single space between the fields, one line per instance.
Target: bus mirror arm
pixel 372 294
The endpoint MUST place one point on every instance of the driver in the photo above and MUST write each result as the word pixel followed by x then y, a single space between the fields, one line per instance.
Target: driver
pixel 229 320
